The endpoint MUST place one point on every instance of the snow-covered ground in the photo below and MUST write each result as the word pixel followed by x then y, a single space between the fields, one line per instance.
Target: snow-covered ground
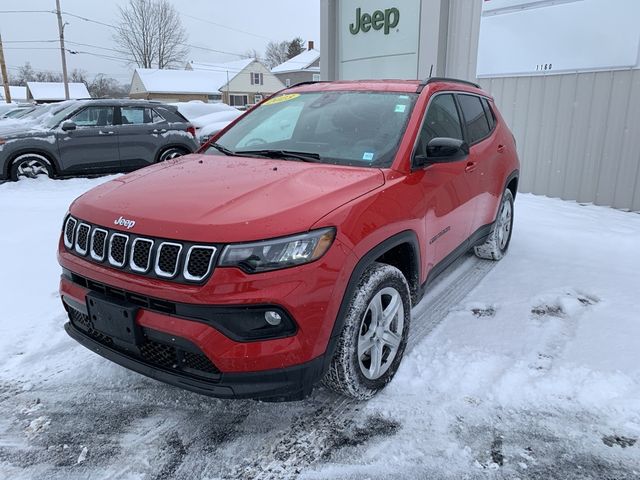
pixel 528 368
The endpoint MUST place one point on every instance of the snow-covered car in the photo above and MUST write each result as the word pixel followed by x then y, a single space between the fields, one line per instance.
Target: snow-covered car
pixel 207 118
pixel 95 137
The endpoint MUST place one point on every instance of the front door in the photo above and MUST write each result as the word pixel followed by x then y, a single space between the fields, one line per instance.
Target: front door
pixel 93 145
pixel 448 209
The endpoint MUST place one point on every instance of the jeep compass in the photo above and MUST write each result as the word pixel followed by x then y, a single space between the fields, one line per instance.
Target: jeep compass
pixel 291 248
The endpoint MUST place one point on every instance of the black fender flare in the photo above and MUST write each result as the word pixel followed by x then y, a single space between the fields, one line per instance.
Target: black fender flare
pixel 407 236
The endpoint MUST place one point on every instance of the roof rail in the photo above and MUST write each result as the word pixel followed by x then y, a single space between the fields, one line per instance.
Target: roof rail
pixel 429 80
pixel 308 82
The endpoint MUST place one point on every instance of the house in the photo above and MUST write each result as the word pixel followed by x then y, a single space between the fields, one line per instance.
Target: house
pixel 18 94
pixel 49 92
pixel 304 67
pixel 176 85
pixel 245 82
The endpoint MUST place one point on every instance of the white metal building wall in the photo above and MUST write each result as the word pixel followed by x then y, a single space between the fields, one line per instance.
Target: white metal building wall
pixel 578 134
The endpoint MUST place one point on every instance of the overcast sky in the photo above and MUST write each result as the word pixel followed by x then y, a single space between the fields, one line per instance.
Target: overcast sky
pixel 262 21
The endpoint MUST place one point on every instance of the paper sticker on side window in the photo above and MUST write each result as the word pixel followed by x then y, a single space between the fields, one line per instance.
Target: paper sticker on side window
pixel 400 108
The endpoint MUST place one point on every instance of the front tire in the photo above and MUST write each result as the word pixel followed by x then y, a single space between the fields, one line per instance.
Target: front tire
pixel 495 247
pixel 30 165
pixel 171 153
pixel 374 335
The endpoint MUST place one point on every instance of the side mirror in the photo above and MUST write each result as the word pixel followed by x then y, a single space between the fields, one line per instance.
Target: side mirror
pixel 66 126
pixel 443 150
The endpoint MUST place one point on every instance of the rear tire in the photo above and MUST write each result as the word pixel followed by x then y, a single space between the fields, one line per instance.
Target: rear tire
pixel 495 247
pixel 30 165
pixel 171 153
pixel 374 335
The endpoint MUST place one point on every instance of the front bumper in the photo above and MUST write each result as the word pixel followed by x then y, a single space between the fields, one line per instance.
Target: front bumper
pixel 287 384
pixel 271 369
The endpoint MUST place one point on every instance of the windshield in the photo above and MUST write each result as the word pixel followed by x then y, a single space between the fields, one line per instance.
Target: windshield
pixel 60 115
pixel 20 112
pixel 345 127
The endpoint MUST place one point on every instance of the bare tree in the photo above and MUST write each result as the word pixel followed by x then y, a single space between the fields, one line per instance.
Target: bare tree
pixel 276 53
pixel 78 75
pixel 296 47
pixel 106 87
pixel 252 53
pixel 151 33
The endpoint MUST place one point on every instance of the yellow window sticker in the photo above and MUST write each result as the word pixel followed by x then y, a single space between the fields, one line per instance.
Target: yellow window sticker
pixel 281 98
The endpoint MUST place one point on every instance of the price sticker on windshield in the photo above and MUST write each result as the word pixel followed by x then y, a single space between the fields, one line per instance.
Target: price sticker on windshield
pixel 281 98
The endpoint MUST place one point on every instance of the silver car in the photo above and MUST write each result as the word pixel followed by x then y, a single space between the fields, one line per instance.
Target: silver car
pixel 95 137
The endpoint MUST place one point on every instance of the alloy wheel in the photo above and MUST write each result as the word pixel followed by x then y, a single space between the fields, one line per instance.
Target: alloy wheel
pixel 380 333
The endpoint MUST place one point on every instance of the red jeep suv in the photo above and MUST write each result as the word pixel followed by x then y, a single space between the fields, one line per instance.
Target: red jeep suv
pixel 292 247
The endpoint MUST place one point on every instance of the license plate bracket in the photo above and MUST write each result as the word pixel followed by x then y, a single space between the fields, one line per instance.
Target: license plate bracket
pixel 114 317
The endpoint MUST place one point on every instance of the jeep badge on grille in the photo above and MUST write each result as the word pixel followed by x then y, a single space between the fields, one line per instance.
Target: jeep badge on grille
pixel 128 224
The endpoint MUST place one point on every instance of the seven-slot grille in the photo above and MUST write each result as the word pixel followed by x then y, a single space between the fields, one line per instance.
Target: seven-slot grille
pixel 169 260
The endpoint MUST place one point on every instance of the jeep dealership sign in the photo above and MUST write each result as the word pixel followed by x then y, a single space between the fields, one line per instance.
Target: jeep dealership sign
pixel 362 39
pixel 378 38
pixel 378 20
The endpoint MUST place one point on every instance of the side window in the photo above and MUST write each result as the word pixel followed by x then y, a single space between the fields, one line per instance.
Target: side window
pixel 489 113
pixel 155 116
pixel 477 123
pixel 137 115
pixel 94 117
pixel 441 120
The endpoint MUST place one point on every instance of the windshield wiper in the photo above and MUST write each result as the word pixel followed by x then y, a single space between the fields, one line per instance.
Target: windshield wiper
pixel 224 150
pixel 303 156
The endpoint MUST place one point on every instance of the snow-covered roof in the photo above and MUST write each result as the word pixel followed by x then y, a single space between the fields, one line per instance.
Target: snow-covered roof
pixel 41 91
pixel 181 81
pixel 302 61
pixel 234 67
pixel 17 93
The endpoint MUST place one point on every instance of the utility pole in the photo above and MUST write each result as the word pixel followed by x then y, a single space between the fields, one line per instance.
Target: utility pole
pixel 5 78
pixel 62 51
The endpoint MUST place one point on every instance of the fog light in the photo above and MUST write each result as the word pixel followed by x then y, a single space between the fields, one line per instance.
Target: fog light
pixel 272 318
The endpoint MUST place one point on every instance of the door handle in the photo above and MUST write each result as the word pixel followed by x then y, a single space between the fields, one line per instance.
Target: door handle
pixel 100 132
pixel 501 148
pixel 471 166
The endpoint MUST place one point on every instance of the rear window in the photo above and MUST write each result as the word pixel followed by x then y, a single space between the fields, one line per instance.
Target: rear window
pixel 478 126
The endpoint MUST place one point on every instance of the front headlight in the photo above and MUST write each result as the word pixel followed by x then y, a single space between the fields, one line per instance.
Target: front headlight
pixel 278 253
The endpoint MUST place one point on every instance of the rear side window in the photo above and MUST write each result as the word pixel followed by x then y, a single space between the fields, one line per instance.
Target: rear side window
pixel 489 113
pixel 139 115
pixel 475 118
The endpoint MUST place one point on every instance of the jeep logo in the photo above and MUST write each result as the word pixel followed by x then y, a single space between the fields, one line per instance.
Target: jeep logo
pixel 123 222
pixel 364 22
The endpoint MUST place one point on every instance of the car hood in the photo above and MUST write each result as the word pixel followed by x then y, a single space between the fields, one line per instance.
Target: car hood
pixel 24 130
pixel 206 198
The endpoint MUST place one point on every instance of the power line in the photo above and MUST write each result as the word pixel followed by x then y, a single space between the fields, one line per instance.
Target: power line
pixel 224 26
pixel 30 41
pixel 86 19
pixel 27 11
pixel 89 19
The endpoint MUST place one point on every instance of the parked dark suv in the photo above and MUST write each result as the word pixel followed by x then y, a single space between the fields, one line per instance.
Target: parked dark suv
pixel 296 243
pixel 95 137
